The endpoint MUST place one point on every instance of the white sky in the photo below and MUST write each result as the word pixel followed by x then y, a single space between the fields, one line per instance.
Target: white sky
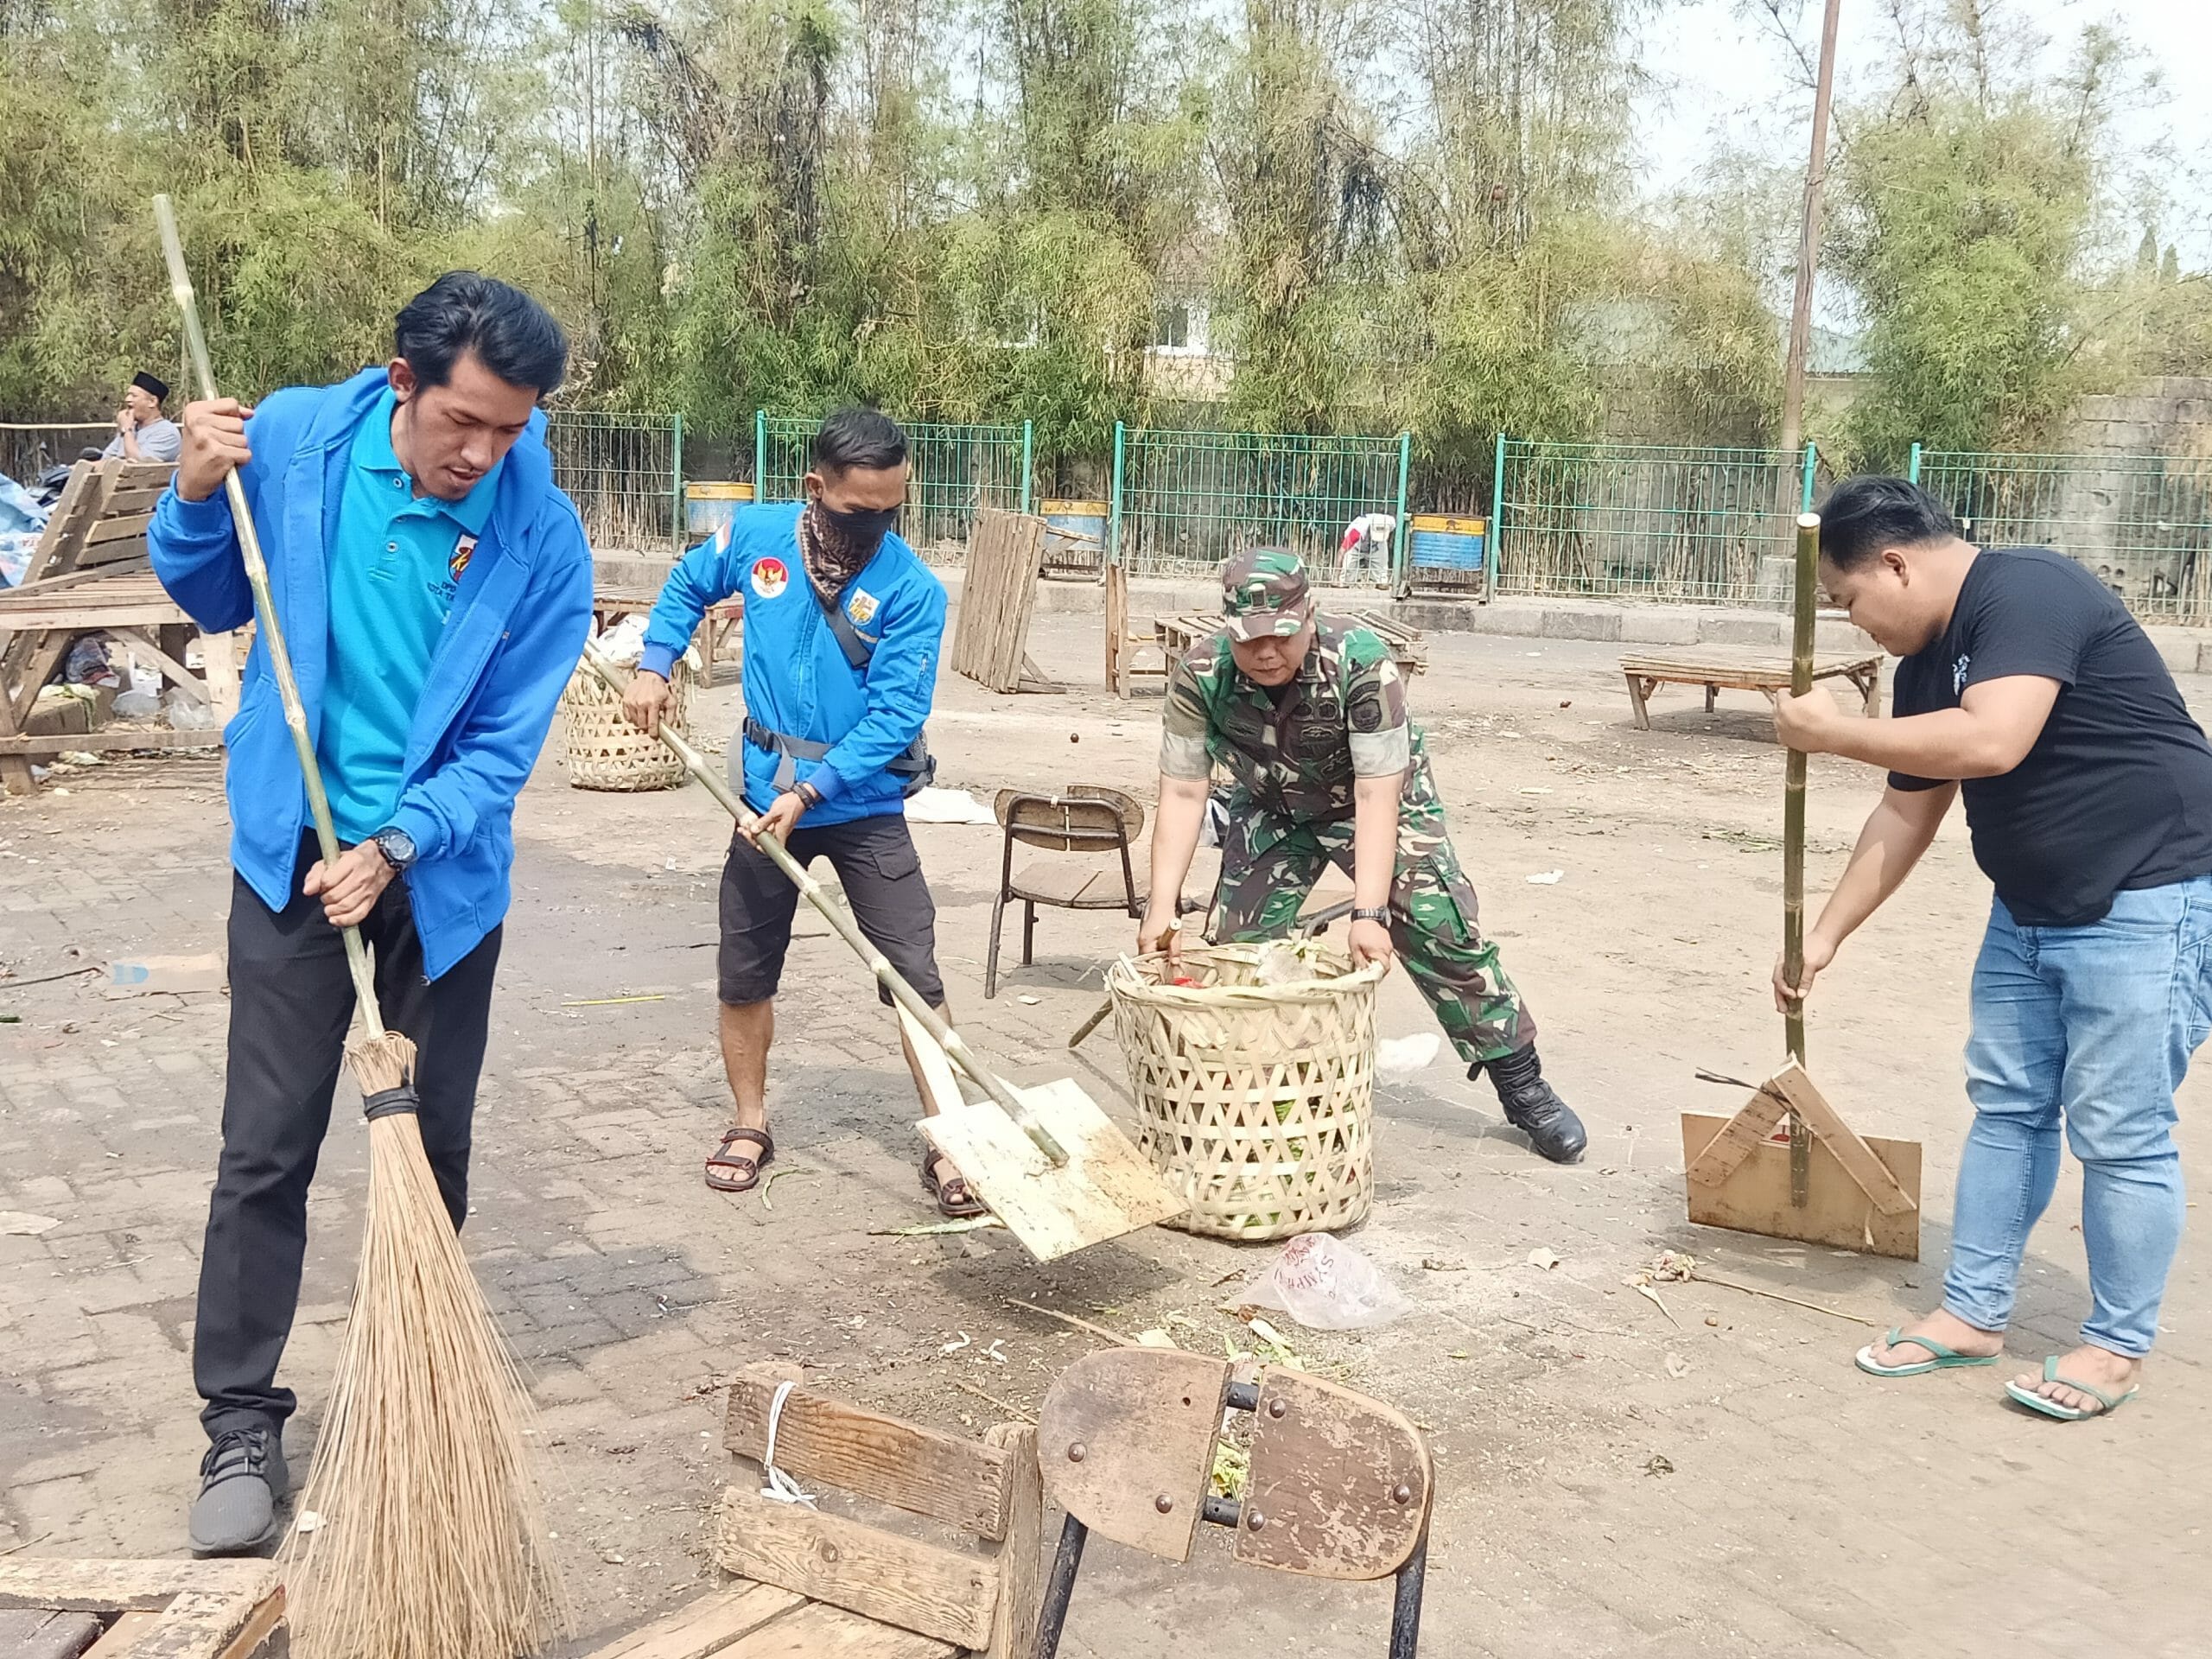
pixel 1718 73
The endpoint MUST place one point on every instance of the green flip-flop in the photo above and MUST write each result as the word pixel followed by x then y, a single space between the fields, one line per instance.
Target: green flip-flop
pixel 1946 1359
pixel 2107 1404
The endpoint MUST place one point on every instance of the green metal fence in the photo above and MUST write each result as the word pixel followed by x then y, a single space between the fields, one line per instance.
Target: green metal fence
pixel 2142 523
pixel 1646 521
pixel 626 474
pixel 1182 502
pixel 957 471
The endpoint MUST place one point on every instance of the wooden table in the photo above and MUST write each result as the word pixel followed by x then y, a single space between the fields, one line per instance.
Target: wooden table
pixel 1741 668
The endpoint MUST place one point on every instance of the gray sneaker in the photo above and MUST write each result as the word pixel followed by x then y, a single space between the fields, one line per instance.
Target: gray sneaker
pixel 240 1480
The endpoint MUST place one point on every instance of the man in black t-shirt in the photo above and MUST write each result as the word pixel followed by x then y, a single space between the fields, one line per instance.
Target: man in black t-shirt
pixel 2025 685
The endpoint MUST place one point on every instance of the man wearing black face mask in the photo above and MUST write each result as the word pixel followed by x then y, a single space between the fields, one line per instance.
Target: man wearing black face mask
pixel 842 625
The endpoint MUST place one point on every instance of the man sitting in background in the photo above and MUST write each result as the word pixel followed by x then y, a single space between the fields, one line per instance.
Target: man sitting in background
pixel 141 431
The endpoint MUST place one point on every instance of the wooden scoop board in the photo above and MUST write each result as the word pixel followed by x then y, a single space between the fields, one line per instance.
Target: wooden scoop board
pixel 1106 1188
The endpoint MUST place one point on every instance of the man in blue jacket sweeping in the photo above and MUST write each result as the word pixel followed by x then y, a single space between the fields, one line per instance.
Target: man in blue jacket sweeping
pixel 842 623
pixel 436 591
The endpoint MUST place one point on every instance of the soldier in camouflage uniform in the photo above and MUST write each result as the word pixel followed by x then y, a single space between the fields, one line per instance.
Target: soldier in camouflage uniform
pixel 1307 715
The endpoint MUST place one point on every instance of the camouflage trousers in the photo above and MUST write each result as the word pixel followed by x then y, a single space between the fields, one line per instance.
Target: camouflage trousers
pixel 1267 868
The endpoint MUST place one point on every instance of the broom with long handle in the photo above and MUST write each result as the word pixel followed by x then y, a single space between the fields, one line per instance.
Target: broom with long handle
pixel 428 1540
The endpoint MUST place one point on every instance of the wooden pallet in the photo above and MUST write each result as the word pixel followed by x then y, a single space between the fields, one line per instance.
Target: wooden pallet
pixel 998 596
pixel 1741 668
pixel 91 574
pixel 145 1610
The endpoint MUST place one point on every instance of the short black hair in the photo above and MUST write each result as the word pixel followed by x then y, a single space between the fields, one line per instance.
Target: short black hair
pixel 1865 514
pixel 462 311
pixel 858 436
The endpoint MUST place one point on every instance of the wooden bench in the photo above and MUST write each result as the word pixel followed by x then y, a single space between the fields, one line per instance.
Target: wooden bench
pixel 90 573
pixel 1408 648
pixel 821 1584
pixel 1741 668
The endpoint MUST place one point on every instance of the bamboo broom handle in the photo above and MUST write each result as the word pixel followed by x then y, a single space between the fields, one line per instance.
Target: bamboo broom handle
pixel 840 919
pixel 272 635
pixel 1793 843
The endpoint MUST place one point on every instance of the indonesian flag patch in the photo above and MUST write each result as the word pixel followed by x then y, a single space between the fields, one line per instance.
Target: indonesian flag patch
pixel 770 577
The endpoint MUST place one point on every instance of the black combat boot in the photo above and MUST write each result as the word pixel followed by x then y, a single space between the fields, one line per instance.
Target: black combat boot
pixel 1533 1106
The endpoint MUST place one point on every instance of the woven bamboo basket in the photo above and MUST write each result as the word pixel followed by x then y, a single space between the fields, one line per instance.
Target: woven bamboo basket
pixel 1255 1102
pixel 604 750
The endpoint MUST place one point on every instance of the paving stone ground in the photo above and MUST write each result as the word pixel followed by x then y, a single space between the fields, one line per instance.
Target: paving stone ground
pixel 1614 1479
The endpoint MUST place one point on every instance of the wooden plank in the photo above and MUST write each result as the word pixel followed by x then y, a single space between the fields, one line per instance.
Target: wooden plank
pixel 998 596
pixel 1857 1158
pixel 123 1636
pixel 74 615
pixel 1754 1121
pixel 1014 1621
pixel 265 1635
pixel 816 1631
pixel 1105 1189
pixel 130 1586
pixel 192 685
pixel 122 737
pixel 136 497
pixel 706 1626
pixel 1756 1198
pixel 117 527
pixel 219 657
pixel 902 1582
pixel 921 1470
pixel 1122 1430
pixel 1340 1483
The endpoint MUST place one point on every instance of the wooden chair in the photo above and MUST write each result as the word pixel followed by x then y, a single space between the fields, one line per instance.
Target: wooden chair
pixel 1082 818
pixel 1340 1485
pixel 810 1582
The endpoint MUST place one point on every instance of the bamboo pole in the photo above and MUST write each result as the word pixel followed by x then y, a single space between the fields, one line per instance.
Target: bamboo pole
pixel 1809 242
pixel 841 919
pixel 272 635
pixel 1793 840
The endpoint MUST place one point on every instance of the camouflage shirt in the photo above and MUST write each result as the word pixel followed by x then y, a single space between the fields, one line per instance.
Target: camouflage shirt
pixel 1344 717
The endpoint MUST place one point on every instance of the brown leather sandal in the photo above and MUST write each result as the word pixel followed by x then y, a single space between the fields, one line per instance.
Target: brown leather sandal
pixel 747 1171
pixel 955 1197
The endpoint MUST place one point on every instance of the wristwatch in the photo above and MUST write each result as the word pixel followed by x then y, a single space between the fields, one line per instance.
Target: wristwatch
pixel 398 848
pixel 1379 913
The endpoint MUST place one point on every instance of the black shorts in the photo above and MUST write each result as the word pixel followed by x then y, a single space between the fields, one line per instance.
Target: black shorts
pixel 881 874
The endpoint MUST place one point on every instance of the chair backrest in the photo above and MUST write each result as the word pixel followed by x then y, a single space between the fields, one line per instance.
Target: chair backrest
pixel 984 1599
pixel 1080 818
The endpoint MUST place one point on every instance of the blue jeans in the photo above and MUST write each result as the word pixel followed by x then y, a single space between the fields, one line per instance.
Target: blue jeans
pixel 2093 1026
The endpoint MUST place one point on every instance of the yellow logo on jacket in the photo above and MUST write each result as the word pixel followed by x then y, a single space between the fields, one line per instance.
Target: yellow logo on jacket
pixel 861 607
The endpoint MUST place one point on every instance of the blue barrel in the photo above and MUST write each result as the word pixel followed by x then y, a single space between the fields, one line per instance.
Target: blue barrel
pixel 1440 542
pixel 709 505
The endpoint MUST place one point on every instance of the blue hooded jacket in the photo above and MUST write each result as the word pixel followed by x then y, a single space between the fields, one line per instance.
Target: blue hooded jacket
pixel 797 680
pixel 518 627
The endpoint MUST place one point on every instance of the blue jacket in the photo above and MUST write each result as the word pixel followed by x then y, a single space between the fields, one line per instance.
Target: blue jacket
pixel 517 628
pixel 797 680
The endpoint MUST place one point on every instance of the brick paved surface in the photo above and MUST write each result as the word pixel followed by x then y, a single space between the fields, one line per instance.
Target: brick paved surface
pixel 1754 1497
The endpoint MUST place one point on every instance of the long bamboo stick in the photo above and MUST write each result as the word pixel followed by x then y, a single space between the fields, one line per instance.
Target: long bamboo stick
pixel 272 635
pixel 1793 841
pixel 841 919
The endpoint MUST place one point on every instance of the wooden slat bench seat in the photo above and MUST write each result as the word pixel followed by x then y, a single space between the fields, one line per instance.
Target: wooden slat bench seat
pixel 1742 668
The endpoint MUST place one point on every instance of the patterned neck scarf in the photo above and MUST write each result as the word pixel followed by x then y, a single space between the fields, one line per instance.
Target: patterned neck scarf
pixel 831 564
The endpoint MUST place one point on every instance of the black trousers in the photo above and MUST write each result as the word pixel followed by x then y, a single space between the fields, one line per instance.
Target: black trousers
pixel 291 1002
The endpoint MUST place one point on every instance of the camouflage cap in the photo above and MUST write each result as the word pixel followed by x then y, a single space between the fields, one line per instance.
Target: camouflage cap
pixel 1263 594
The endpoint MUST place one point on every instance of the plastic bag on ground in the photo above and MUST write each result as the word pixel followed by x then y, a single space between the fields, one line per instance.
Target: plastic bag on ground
pixel 185 713
pixel 135 704
pixel 1327 1285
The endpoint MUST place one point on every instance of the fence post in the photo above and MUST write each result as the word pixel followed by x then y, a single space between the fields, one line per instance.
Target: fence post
pixel 675 470
pixel 1028 453
pixel 1496 521
pixel 1401 572
pixel 1114 505
pixel 1812 464
pixel 760 454
pixel 1912 467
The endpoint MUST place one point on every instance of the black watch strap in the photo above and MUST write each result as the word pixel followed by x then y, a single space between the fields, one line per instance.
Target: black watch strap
pixel 1379 913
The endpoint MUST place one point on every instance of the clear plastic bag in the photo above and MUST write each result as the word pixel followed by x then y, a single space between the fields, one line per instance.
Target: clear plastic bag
pixel 1327 1285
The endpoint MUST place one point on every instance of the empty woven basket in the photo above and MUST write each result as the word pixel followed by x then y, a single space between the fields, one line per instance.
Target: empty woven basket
pixel 604 750
pixel 1255 1102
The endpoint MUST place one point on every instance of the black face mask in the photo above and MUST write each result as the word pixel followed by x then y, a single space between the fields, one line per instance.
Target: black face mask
pixel 861 529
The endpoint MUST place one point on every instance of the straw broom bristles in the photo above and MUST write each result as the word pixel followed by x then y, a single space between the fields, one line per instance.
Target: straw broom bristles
pixel 430 1543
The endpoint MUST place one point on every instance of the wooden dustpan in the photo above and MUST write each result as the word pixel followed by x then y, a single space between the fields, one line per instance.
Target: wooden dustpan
pixel 1824 1185
pixel 1046 1159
